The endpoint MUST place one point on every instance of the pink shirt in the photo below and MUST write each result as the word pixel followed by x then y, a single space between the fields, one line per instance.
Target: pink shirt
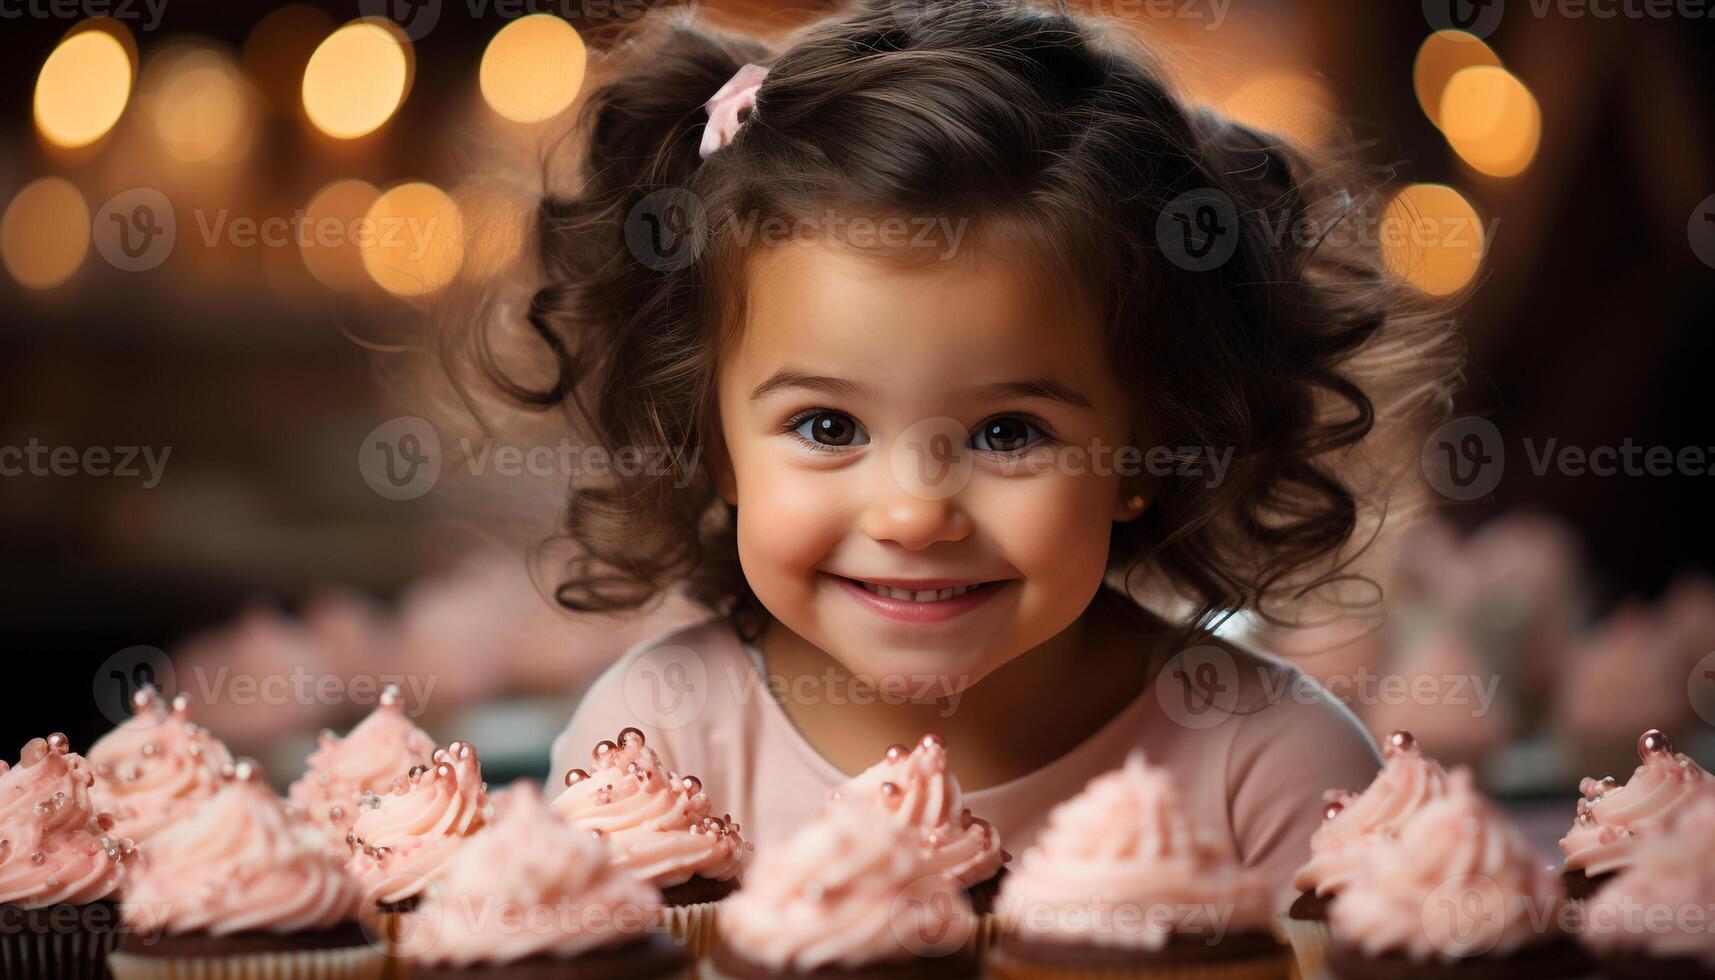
pixel 1252 742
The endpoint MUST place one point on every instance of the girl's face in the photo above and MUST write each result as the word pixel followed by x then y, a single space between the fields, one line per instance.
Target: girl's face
pixel 946 434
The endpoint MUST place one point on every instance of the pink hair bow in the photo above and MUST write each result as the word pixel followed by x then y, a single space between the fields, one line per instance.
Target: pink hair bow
pixel 735 97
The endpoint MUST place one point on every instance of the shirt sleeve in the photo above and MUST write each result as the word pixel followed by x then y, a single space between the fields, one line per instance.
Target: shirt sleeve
pixel 1285 754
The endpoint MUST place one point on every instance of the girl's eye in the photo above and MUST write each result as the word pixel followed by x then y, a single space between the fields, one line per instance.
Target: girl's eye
pixel 832 429
pixel 1005 434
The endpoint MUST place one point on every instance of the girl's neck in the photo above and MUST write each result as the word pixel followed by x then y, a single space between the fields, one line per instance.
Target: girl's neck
pixel 1021 717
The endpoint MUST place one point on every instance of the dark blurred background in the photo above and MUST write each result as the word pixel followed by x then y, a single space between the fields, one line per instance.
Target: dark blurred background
pixel 1563 162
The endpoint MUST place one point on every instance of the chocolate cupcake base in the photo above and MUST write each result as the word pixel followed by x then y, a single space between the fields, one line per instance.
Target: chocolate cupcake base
pixel 1310 907
pixel 697 889
pixel 654 958
pixel 201 945
pixel 1540 961
pixel 1253 955
pixel 58 942
pixel 341 953
pixel 725 963
pixel 982 894
pixel 1580 886
pixel 1645 968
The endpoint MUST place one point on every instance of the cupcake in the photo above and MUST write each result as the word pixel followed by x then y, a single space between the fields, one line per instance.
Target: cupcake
pixel 242 888
pixel 1612 818
pixel 403 837
pixel 156 767
pixel 846 896
pixel 1122 882
pixel 659 827
pixel 533 897
pixel 341 771
pixel 1351 825
pixel 1637 924
pixel 915 789
pixel 59 868
pixel 1456 892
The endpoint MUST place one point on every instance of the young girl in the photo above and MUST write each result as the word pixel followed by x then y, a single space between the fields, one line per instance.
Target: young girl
pixel 967 338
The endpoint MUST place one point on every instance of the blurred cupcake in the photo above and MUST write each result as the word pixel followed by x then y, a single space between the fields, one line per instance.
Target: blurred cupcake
pixel 241 888
pixel 383 747
pixel 531 897
pixel 1122 882
pixel 659 827
pixel 915 789
pixel 1452 700
pixel 1640 924
pixel 155 767
pixel 1457 892
pixel 846 896
pixel 58 867
pixel 401 838
pixel 1625 677
pixel 1611 818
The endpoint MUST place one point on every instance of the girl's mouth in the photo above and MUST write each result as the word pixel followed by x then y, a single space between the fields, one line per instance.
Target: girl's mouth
pixel 922 604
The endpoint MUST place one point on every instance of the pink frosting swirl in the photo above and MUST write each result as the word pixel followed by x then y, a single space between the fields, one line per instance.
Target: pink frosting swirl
pixel 240 862
pixel 528 885
pixel 1353 821
pixel 1612 818
pixel 1646 908
pixel 156 767
pixel 1457 880
pixel 659 826
pixel 915 788
pixel 383 747
pixel 846 890
pixel 54 846
pixel 1122 864
pixel 399 840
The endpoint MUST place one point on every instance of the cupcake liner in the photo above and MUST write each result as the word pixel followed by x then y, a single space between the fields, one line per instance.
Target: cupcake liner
pixel 354 963
pixel 1003 967
pixel 691 926
pixel 1309 941
pixel 30 948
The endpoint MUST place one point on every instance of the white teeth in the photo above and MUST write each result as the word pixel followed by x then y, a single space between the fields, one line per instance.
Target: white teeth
pixel 926 595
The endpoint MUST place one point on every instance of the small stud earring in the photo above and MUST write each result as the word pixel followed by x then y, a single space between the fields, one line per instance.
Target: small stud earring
pixel 1136 503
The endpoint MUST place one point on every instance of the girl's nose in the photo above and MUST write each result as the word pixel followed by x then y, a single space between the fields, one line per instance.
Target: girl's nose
pixel 914 522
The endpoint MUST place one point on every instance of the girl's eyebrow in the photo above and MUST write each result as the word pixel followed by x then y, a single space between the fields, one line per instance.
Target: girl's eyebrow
pixel 1043 387
pixel 786 378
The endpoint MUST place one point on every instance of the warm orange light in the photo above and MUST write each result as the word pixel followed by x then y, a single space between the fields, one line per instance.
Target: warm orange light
pixel 1442 55
pixel 1297 107
pixel 1491 120
pixel 1432 238
pixel 533 68
pixel 417 240
pixel 333 229
pixel 355 80
pixel 278 49
pixel 82 88
pixel 45 233
pixel 201 105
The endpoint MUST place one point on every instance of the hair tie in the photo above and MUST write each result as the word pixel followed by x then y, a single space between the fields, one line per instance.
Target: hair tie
pixel 736 96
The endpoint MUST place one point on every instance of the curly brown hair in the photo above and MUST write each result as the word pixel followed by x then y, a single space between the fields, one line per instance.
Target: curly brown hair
pixel 1299 351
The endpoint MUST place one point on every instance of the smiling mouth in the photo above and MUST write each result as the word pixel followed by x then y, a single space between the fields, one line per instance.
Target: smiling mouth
pixel 918 595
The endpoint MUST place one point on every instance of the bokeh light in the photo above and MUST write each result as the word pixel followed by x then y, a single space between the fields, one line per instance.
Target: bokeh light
pixel 355 80
pixel 1441 56
pixel 200 103
pixel 416 240
pixel 1432 238
pixel 82 89
pixel 533 68
pixel 1491 120
pixel 277 51
pixel 330 234
pixel 44 235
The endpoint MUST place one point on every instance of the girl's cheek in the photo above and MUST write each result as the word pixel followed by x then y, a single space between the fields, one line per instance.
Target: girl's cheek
pixel 790 519
pixel 1053 528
